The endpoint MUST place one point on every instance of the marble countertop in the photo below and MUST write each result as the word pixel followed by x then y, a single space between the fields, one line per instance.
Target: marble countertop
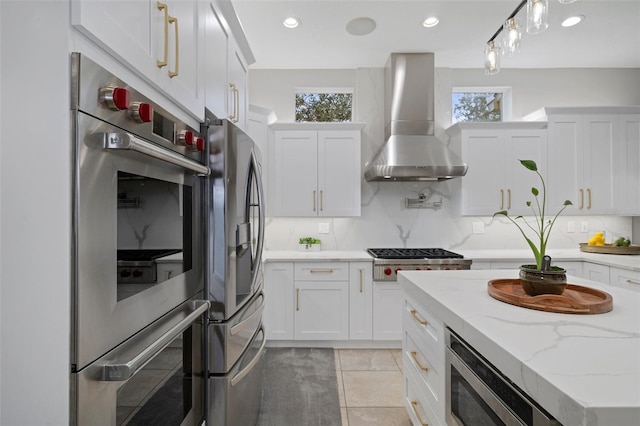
pixel 583 369
pixel 630 262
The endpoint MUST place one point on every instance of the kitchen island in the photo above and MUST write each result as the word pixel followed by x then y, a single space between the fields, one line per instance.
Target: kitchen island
pixel 582 369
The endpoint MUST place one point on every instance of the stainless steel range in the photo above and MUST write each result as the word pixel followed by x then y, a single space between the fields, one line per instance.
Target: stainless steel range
pixel 388 261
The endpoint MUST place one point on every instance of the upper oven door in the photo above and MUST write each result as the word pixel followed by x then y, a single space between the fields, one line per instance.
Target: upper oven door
pixel 144 197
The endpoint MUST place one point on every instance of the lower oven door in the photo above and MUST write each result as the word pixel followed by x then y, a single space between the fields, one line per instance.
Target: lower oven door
pixel 154 378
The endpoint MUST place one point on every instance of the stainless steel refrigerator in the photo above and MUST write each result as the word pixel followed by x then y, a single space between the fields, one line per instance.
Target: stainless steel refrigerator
pixel 234 216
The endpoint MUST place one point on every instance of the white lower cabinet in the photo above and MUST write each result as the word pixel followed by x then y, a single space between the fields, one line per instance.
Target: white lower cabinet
pixel 573 267
pixel 322 310
pixel 360 300
pixel 595 272
pixel 624 278
pixel 279 301
pixel 387 311
pixel 423 360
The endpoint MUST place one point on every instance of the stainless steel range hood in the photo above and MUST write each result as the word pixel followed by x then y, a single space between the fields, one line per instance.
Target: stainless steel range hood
pixel 411 152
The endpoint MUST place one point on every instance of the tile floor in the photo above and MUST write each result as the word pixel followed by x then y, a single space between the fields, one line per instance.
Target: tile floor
pixel 370 387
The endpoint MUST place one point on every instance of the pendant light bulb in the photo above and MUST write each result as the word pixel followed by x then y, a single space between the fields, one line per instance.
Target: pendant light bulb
pixel 492 58
pixel 537 16
pixel 512 36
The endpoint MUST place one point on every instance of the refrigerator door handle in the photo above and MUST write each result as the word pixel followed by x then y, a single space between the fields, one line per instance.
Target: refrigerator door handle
pixel 238 377
pixel 241 325
pixel 121 372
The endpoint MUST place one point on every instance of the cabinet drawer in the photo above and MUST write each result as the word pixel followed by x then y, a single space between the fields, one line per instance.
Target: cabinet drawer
pixel 420 412
pixel 425 327
pixel 322 271
pixel 428 370
pixel 624 278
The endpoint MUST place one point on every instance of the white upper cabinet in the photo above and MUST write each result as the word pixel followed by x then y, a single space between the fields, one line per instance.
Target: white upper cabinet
pixel 315 172
pixel 159 41
pixel 227 60
pixel 496 180
pixel 594 159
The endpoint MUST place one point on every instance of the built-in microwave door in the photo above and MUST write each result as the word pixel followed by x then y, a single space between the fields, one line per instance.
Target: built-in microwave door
pixel 130 203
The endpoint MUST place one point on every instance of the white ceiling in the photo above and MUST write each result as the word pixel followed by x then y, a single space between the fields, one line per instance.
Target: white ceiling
pixel 608 37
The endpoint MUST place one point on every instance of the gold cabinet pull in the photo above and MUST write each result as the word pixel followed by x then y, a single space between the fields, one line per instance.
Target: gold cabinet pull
pixel 297 299
pixel 501 199
pixel 321 200
pixel 508 199
pixel 321 271
pixel 588 198
pixel 414 355
pixel 630 281
pixel 232 116
pixel 360 270
pixel 163 7
pixel 174 21
pixel 236 103
pixel 581 198
pixel 314 201
pixel 417 318
pixel 414 407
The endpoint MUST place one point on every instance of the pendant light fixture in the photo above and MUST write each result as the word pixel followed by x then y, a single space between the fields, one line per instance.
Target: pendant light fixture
pixel 512 35
pixel 492 58
pixel 537 16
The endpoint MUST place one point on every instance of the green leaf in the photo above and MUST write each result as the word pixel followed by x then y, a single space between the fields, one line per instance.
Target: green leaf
pixel 530 164
pixel 528 203
pixel 535 191
pixel 567 203
pixel 503 213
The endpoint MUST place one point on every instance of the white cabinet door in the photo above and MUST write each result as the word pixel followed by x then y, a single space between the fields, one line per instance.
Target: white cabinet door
pixel 295 173
pixel 316 173
pixel 322 310
pixel 360 300
pixel 216 55
pixel 238 98
pixel 482 186
pixel 339 173
pixel 624 278
pixel 573 268
pixel 627 166
pixel 595 272
pixel 279 301
pixel 563 179
pixel 388 303
pixel 160 41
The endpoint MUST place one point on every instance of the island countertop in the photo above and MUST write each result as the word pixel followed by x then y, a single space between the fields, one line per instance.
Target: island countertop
pixel 583 369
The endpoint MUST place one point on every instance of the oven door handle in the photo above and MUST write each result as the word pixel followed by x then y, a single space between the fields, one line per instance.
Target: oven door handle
pixel 124 140
pixel 124 371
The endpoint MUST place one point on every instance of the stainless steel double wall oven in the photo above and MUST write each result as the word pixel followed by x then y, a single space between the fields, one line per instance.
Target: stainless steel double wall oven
pixel 138 282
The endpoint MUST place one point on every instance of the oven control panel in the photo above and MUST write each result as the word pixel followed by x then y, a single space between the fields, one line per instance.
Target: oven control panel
pixel 389 272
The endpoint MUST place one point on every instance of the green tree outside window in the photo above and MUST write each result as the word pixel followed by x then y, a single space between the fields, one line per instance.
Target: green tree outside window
pixel 323 107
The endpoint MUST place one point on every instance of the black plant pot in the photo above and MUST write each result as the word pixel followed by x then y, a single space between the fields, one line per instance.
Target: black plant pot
pixel 535 281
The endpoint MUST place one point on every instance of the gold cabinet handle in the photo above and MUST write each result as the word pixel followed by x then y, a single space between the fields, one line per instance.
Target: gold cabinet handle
pixel 588 198
pixel 163 7
pixel 321 199
pixel 417 318
pixel 414 355
pixel 361 279
pixel 233 117
pixel 581 198
pixel 414 407
pixel 508 199
pixel 297 299
pixel 321 271
pixel 630 281
pixel 314 201
pixel 236 103
pixel 174 73
pixel 501 199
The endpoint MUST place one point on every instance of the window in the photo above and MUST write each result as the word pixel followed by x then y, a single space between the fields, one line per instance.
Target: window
pixel 480 104
pixel 326 105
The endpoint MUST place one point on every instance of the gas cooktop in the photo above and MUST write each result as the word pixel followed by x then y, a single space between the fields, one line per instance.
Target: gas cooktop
pixel 413 253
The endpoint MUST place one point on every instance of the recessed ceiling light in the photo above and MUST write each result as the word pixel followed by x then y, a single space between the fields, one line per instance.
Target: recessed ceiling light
pixel 572 20
pixel 291 22
pixel 361 26
pixel 430 22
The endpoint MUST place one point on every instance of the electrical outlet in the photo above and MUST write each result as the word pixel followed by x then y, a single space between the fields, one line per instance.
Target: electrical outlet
pixel 571 226
pixel 323 228
pixel 584 226
pixel 478 227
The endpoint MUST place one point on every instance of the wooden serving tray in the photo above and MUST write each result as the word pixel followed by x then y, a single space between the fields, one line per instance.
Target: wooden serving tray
pixel 575 299
pixel 609 249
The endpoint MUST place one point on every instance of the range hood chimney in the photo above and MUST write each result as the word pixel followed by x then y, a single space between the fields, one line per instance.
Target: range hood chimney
pixel 411 152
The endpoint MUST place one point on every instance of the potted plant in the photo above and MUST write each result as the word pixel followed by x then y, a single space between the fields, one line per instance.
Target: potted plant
pixel 541 278
pixel 309 244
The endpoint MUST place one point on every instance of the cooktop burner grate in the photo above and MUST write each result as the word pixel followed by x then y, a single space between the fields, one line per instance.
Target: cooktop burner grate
pixel 413 253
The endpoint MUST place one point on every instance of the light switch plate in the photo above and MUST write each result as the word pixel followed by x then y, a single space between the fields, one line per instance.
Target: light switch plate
pixel 478 227
pixel 584 226
pixel 323 228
